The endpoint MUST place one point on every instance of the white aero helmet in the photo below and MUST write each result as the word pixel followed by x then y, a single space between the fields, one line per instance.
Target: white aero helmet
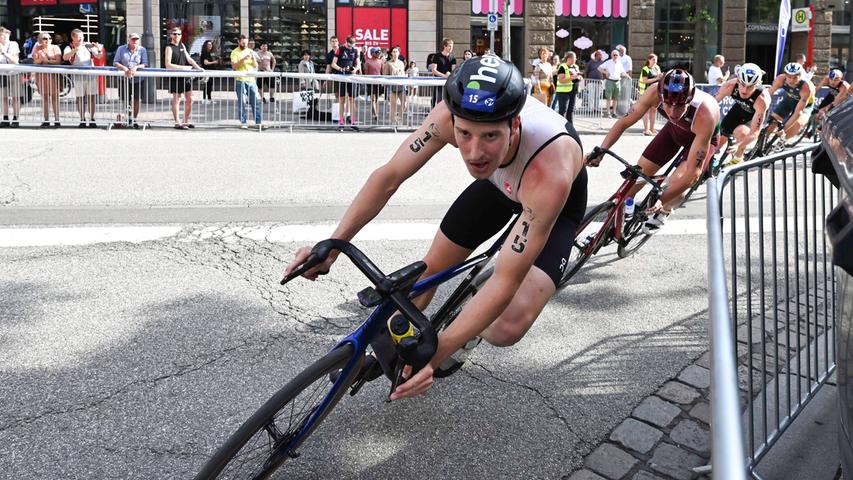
pixel 749 74
pixel 793 68
pixel 835 74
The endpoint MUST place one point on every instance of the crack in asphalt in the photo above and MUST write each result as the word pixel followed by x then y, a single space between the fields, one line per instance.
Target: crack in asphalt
pixel 262 346
pixel 11 197
pixel 545 400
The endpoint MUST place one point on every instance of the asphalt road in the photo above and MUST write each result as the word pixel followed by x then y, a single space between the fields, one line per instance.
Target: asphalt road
pixel 134 360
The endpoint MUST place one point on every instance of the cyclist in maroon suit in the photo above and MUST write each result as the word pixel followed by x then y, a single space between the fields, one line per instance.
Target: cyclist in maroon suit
pixel 693 123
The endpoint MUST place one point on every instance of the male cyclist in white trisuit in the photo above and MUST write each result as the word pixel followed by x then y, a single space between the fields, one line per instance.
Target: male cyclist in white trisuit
pixel 746 117
pixel 525 159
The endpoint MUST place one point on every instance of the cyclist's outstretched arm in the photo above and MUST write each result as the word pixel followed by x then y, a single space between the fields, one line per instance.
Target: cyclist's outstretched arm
pixel 725 90
pixel 648 101
pixel 761 106
pixel 412 154
pixel 777 84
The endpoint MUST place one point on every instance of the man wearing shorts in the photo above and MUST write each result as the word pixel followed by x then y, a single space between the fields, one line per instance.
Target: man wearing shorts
pixel 797 103
pixel 346 62
pixel 80 54
pixel 613 72
pixel 130 58
pixel 693 119
pixel 178 58
pixel 525 158
pixel 746 117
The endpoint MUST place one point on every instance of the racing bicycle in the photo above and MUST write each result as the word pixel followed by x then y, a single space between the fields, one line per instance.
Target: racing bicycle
pixel 608 222
pixel 276 433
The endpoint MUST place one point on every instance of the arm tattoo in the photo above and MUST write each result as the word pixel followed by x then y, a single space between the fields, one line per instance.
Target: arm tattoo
pixel 521 240
pixel 419 143
pixel 700 156
pixel 529 212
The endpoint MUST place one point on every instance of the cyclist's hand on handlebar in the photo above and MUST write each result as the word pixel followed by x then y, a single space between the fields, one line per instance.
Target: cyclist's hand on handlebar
pixel 594 157
pixel 299 258
pixel 416 385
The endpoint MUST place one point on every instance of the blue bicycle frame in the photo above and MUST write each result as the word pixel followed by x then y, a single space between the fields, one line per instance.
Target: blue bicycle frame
pixel 377 322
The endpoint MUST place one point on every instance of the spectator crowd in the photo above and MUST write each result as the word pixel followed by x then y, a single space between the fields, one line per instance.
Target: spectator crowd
pixel 603 82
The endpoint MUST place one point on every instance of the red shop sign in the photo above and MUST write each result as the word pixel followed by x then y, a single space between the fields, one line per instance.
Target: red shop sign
pixel 373 27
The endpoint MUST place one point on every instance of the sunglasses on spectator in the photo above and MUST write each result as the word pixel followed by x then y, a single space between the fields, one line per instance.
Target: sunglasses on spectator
pixel 44 38
pixel 176 34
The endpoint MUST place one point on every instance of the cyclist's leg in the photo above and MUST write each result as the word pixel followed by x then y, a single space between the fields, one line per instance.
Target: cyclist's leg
pixel 479 212
pixel 741 133
pixel 528 302
pixel 800 122
pixel 660 151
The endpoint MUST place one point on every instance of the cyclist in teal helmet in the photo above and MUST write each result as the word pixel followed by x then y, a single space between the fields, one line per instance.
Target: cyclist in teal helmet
pixel 525 158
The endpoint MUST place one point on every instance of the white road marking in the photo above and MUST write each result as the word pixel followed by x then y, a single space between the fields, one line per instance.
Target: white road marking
pixel 378 231
pixel 64 236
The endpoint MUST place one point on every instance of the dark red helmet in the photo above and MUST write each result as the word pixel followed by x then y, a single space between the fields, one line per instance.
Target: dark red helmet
pixel 676 87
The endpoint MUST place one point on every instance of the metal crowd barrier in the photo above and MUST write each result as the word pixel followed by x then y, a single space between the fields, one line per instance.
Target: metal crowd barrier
pixel 286 100
pixel 782 302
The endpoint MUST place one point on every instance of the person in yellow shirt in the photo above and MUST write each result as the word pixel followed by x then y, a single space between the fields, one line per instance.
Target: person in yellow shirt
pixel 243 59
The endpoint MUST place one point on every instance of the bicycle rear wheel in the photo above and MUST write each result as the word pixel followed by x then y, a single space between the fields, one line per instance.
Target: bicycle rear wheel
pixel 585 243
pixel 255 450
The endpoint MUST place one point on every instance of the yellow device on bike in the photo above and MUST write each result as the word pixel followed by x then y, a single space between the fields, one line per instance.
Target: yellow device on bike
pixel 400 327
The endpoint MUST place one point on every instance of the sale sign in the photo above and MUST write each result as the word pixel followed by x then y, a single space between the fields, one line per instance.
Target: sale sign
pixel 373 26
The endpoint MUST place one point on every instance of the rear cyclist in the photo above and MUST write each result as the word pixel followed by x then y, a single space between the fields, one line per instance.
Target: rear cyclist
pixel 797 103
pixel 693 119
pixel 834 81
pixel 525 158
pixel 744 120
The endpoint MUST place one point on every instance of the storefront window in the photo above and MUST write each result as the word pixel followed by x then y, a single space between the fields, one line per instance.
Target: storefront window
pixel 605 34
pixel 289 27
pixel 687 35
pixel 200 20
pixel 113 26
pixel 4 13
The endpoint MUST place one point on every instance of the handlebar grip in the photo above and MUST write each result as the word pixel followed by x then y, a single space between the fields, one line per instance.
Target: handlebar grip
pixel 319 253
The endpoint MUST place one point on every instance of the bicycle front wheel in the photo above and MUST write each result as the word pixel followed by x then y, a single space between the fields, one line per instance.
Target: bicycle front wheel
pixel 257 448
pixel 585 243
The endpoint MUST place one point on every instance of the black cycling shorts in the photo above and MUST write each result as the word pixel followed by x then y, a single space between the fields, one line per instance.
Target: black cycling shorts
pixel 735 118
pixel 482 210
pixel 827 100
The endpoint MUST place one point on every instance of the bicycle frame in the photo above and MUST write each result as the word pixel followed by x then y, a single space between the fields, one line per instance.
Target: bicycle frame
pixel 618 198
pixel 377 322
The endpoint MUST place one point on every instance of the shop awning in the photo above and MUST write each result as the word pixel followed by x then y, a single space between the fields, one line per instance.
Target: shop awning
pixel 481 7
pixel 591 8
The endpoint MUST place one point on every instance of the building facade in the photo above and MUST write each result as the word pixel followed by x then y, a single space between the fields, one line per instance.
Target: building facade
pixel 682 33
